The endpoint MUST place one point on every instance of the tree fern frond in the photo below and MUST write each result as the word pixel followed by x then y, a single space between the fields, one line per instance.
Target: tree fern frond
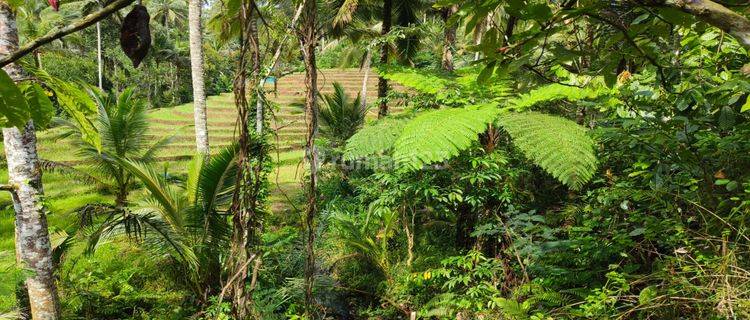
pixel 559 146
pixel 374 139
pixel 555 92
pixel 420 80
pixel 438 135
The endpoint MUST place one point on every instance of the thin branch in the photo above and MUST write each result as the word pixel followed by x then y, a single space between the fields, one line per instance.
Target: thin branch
pixel 53 35
pixel 545 78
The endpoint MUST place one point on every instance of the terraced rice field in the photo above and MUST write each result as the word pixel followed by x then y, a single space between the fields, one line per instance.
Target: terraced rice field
pixel 288 124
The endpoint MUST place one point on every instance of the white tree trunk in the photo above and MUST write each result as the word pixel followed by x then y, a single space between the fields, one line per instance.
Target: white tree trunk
pixel 196 69
pixel 99 54
pixel 33 249
pixel 259 108
pixel 366 66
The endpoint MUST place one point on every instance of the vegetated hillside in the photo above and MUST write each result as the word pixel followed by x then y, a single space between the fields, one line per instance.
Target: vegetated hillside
pixel 177 122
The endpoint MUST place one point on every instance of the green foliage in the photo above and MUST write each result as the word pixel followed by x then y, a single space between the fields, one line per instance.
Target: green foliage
pixel 13 104
pixel 77 104
pixel 341 117
pixel 554 92
pixel 40 107
pixel 559 146
pixel 375 138
pixel 121 128
pixel 190 229
pixel 439 135
pixel 420 80
pixel 120 282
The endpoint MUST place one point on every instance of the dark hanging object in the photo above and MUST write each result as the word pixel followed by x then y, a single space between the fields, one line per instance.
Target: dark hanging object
pixel 55 4
pixel 135 35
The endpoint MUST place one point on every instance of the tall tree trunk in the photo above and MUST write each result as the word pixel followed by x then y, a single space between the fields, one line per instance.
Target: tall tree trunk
pixel 245 203
pixel 382 82
pixel 196 70
pixel 365 79
pixel 308 37
pixel 33 249
pixel 449 40
pixel 99 68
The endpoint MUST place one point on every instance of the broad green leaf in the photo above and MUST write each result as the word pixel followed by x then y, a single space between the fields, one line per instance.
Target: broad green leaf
pixel 13 106
pixel 41 109
pixel 746 106
pixel 76 103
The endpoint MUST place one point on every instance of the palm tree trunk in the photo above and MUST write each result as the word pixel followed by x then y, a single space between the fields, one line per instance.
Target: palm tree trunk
pixel 196 70
pixel 33 249
pixel 449 41
pixel 382 82
pixel 308 37
pixel 100 68
pixel 366 78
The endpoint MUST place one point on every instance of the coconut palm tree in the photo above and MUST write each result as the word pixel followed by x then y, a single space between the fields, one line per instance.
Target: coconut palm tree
pixel 185 221
pixel 389 13
pixel 196 69
pixel 170 13
pixel 122 128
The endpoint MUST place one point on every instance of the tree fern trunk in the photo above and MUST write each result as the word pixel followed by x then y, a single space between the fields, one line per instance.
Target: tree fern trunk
pixel 196 70
pixel 382 82
pixel 33 249
pixel 449 40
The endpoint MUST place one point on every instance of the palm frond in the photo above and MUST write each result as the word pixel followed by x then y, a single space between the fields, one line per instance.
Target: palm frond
pixel 145 226
pixel 345 13
pixel 65 169
pixel 339 116
pixel 159 189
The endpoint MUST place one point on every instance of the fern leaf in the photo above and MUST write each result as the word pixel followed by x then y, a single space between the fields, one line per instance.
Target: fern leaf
pixel 438 135
pixel 374 139
pixel 554 92
pixel 420 80
pixel 559 146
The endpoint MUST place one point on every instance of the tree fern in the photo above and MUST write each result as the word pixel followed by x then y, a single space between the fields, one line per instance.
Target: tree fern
pixel 374 139
pixel 554 92
pixel 420 80
pixel 559 146
pixel 435 136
